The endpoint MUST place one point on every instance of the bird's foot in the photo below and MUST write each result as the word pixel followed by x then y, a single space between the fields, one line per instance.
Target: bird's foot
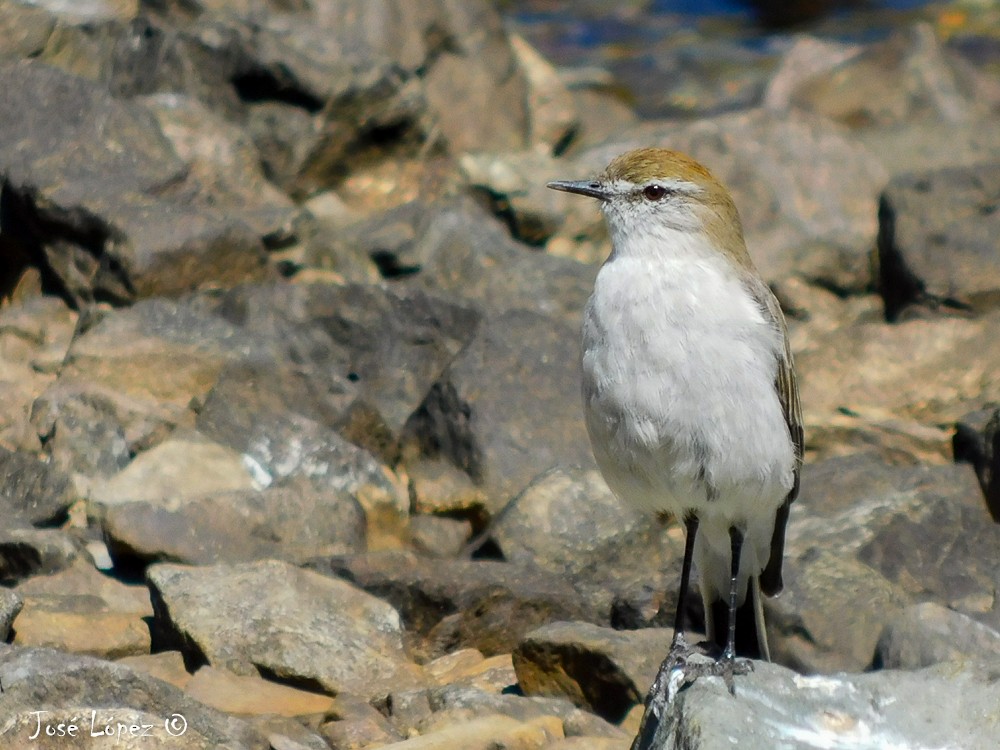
pixel 678 669
pixel 727 667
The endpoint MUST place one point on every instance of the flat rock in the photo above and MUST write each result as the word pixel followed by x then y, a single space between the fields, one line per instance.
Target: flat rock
pixel 81 625
pixel 936 241
pixel 488 732
pixel 293 625
pixel 927 634
pixel 98 695
pixel 247 695
pixel 606 671
pixel 945 706
pixel 293 522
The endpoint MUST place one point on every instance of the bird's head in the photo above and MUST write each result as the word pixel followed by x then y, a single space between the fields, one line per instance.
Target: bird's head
pixel 655 194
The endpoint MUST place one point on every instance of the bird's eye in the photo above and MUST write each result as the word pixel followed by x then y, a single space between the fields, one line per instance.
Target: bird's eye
pixel 654 192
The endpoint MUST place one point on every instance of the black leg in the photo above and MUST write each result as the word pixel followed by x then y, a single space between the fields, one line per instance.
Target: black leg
pixel 736 549
pixel 691 525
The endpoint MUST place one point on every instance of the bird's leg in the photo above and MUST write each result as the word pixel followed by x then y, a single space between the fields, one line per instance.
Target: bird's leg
pixel 728 661
pixel 678 646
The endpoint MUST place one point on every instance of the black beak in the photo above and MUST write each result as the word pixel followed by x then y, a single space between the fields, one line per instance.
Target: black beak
pixel 591 188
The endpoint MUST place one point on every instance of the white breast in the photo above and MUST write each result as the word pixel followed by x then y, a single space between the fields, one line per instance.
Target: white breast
pixel 679 365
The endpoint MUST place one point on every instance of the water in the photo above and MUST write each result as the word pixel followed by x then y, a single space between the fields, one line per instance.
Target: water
pixel 690 57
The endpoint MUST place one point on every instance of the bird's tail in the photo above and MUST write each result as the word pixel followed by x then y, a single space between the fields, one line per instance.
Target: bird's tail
pixel 751 637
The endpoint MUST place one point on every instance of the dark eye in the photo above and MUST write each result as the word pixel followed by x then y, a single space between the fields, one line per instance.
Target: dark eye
pixel 654 192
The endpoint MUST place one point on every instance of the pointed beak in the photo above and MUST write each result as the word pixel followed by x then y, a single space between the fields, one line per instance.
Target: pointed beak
pixel 592 188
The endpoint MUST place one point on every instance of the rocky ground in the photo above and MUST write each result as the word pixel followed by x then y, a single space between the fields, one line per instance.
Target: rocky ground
pixel 291 454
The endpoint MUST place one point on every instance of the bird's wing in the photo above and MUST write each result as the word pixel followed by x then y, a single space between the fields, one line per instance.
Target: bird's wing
pixel 788 393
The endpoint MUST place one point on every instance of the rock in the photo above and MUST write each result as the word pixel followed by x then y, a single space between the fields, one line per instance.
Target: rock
pixel 98 697
pixel 80 610
pixel 247 695
pixel 807 59
pixel 552 117
pixel 32 490
pixel 289 733
pixel 469 668
pixel 488 732
pixel 777 708
pixel 462 703
pixel 26 551
pixel 151 362
pixel 503 412
pixel 366 335
pixel 439 487
pixel 606 671
pixel 10 604
pixel 831 613
pixel 224 162
pixel 909 77
pixel 185 466
pixel 936 240
pixel 83 434
pixel 881 386
pixel 465 253
pixel 927 634
pixel 276 620
pixel 979 444
pixel 481 604
pixel 438 536
pixel 80 625
pixel 865 540
pixel 167 666
pixel 283 445
pixel 98 195
pixel 353 723
pixel 289 522
pixel 35 332
pixel 569 522
pixel 939 545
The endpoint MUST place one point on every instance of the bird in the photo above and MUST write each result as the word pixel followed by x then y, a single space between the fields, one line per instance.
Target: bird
pixel 689 390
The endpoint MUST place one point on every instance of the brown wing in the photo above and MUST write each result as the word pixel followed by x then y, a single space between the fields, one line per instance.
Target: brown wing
pixel 788 393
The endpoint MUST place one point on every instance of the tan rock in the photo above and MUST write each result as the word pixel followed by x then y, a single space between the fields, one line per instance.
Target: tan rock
pixel 244 694
pixel 62 623
pixel 489 732
pixel 166 665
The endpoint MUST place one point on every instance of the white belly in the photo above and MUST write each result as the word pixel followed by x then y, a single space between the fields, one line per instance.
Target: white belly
pixel 679 366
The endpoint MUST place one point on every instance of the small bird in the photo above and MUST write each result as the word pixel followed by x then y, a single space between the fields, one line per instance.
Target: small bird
pixel 689 391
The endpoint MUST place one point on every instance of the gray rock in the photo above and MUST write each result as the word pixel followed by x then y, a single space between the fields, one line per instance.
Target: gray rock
pixel 293 625
pixel 471 701
pixel 927 634
pixel 978 443
pixel 99 696
pixel 27 551
pixel 506 413
pixel 98 195
pixel 606 671
pixel 10 604
pixel 82 432
pixel 365 334
pixel 908 77
pixel 937 240
pixel 32 490
pixel 463 252
pixel 483 604
pixel 774 707
pixel 940 546
pixel 291 523
pixel 569 522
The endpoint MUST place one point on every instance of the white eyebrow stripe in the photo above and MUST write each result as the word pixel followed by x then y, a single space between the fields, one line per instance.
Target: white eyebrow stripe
pixel 684 187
